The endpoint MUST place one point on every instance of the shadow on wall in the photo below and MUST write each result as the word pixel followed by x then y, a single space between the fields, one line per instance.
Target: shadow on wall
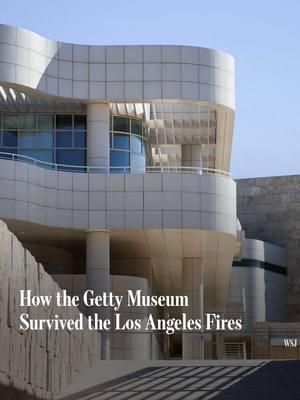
pixel 11 391
pixel 267 380
pixel 276 297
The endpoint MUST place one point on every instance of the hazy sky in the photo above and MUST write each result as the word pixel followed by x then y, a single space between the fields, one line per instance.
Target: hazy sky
pixel 262 35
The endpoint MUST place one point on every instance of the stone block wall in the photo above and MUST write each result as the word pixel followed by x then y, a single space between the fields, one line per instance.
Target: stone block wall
pixel 268 340
pixel 269 210
pixel 36 364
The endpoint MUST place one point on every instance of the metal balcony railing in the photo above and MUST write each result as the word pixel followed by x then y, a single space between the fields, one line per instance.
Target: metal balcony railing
pixel 112 169
pixel 235 351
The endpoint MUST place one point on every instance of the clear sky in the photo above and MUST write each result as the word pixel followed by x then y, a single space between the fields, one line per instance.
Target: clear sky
pixel 262 35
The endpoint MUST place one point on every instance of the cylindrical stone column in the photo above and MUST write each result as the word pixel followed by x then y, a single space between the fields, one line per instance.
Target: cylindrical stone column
pixel 191 155
pixel 98 135
pixel 192 282
pixel 98 278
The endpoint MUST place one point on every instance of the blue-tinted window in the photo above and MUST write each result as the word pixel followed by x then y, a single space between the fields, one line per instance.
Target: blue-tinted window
pixel 121 124
pixel 136 127
pixel 79 139
pixel 71 157
pixel 119 158
pixel 27 139
pixel 45 139
pixel 42 155
pixel 8 150
pixel 64 122
pixel 10 138
pixel 80 122
pixel 121 141
pixel 10 121
pixel 136 144
pixel 63 139
pixel 137 163
pixel 45 121
pixel 27 121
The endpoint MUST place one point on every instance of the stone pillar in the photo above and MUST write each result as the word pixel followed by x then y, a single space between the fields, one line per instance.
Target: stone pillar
pixel 98 278
pixel 192 283
pixel 98 135
pixel 191 155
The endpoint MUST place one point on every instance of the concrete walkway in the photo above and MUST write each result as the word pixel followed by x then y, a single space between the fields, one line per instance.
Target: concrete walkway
pixel 188 380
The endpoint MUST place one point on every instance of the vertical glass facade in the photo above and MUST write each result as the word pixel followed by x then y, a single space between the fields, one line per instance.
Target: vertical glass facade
pixel 61 139
pixel 53 138
pixel 128 144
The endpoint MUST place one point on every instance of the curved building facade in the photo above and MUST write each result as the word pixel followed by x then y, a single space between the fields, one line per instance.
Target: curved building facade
pixel 255 278
pixel 118 156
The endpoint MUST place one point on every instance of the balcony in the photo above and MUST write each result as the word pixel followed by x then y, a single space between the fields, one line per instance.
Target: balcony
pixel 111 169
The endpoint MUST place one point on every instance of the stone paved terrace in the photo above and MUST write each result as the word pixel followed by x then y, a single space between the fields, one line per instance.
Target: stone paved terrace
pixel 189 380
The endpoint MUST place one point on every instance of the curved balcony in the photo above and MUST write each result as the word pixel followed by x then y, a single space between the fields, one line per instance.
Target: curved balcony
pixel 166 215
pixel 127 169
pixel 160 198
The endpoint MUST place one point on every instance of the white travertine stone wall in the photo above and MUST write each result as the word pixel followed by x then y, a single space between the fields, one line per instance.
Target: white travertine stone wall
pixel 269 210
pixel 115 73
pixel 272 334
pixel 130 345
pixel 123 345
pixel 263 292
pixel 193 287
pixel 138 267
pixel 56 260
pixel 117 201
pixel 98 279
pixel 36 363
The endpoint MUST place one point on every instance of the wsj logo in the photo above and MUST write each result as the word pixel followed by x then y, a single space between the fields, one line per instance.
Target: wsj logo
pixel 290 342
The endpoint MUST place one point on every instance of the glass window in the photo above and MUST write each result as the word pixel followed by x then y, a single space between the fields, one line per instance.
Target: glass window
pixel 27 139
pixel 136 127
pixel 144 147
pixel 121 141
pixel 137 163
pixel 64 122
pixel 42 155
pixel 63 139
pixel 27 121
pixel 79 139
pixel 45 139
pixel 71 157
pixel 119 158
pixel 45 121
pixel 110 140
pixel 136 144
pixel 137 160
pixel 10 138
pixel 10 121
pixel 7 150
pixel 121 124
pixel 80 122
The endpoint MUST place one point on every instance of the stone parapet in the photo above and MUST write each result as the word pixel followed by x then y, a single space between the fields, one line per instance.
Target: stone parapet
pixel 36 364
